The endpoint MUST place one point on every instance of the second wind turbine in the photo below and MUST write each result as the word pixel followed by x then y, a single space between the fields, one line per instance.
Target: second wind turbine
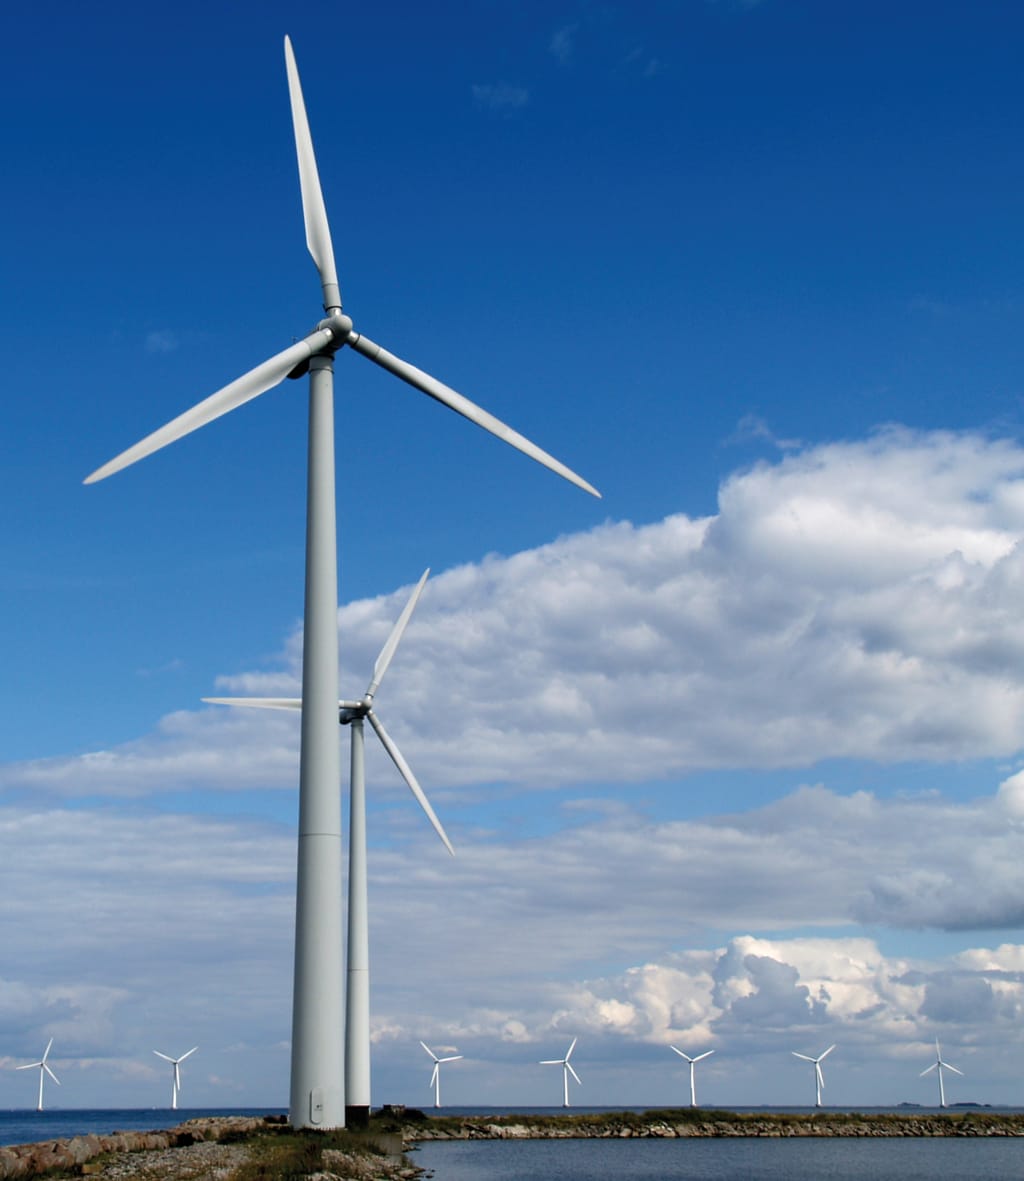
pixel 317 1093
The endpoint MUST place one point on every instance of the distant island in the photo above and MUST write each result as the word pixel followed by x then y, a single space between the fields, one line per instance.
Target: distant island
pixel 250 1148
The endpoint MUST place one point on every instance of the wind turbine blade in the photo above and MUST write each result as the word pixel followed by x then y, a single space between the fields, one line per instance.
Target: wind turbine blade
pixel 933 1066
pixel 706 1054
pixel 821 1077
pixel 568 1053
pixel 429 1050
pixel 256 703
pixel 822 1057
pixel 453 1058
pixel 681 1054
pixel 30 1066
pixel 46 1052
pixel 51 1074
pixel 568 1067
pixel 543 1062
pixel 165 1057
pixel 184 1056
pixel 393 640
pixel 406 772
pixel 318 233
pixel 437 1067
pixel 805 1057
pixel 953 1069
pixel 243 389
pixel 461 405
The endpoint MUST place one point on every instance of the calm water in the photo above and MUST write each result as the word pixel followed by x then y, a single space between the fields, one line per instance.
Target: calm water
pixel 724 1160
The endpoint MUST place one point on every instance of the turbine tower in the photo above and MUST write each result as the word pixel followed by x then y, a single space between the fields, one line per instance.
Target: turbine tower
pixel 435 1078
pixel 352 713
pixel 567 1069
pixel 44 1068
pixel 693 1062
pixel 819 1078
pixel 176 1083
pixel 938 1065
pixel 317 1087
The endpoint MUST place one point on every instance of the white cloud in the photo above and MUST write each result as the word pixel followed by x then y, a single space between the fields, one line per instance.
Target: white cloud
pixel 853 600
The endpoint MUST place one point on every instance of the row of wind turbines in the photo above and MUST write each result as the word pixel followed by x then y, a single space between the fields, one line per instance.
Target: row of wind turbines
pixel 323 1094
pixel 44 1069
pixel 567 1069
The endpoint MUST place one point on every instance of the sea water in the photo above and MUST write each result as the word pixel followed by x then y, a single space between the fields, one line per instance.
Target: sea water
pixel 33 1127
pixel 726 1159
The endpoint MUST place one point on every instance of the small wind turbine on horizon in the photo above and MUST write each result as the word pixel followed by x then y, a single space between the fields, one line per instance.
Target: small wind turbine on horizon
pixel 939 1066
pixel 176 1082
pixel 819 1078
pixel 567 1069
pixel 317 1088
pixel 693 1062
pixel 357 996
pixel 44 1068
pixel 435 1078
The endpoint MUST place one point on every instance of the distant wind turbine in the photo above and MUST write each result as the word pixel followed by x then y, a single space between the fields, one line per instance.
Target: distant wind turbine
pixel 317 1092
pixel 176 1083
pixel 693 1062
pixel 819 1078
pixel 939 1065
pixel 435 1078
pixel 44 1068
pixel 567 1069
pixel 352 713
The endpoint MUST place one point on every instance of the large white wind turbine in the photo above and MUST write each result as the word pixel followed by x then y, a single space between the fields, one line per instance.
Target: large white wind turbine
pixel 352 713
pixel 567 1069
pixel 317 1087
pixel 44 1068
pixel 176 1083
pixel 435 1078
pixel 819 1078
pixel 693 1062
pixel 940 1066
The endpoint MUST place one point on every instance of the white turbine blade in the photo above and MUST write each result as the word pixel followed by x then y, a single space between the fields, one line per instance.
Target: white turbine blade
pixel 568 1067
pixel 406 772
pixel 318 233
pixel 461 405
pixel 393 640
pixel 165 1057
pixel 543 1062
pixel 184 1056
pixel 429 1051
pixel 706 1054
pixel 821 1077
pixel 51 1074
pixel 256 703
pixel 822 1057
pixel 257 381
pixel 177 1077
pixel 437 1067
pixel 953 1069
pixel 46 1052
pixel 30 1066
pixel 568 1053
pixel 933 1066
pixel 681 1054
pixel 805 1057
pixel 453 1058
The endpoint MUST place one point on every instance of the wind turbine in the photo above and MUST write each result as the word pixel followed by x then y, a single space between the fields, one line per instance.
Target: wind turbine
pixel 819 1078
pixel 435 1078
pixel 938 1065
pixel 176 1084
pixel 317 1088
pixel 44 1068
pixel 692 1062
pixel 567 1069
pixel 352 713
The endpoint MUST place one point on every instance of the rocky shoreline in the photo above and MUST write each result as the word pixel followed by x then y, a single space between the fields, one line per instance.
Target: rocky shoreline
pixel 221 1148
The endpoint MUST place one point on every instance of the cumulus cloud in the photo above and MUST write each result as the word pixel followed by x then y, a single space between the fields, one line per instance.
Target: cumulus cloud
pixel 851 600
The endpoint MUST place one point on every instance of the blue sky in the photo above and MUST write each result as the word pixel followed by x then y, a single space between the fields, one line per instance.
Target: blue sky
pixel 729 756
